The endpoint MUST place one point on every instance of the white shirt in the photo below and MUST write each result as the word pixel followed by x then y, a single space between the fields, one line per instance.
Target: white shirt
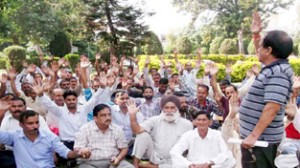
pixel 211 148
pixel 122 120
pixel 69 123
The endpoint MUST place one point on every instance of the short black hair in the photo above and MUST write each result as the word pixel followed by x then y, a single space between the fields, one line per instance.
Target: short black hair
pixel 26 114
pixel 179 94
pixel 19 99
pixel 204 86
pixel 234 87
pixel 280 42
pixel 164 81
pixel 147 87
pixel 98 108
pixel 174 74
pixel 224 82
pixel 69 93
pixel 8 94
pixel 197 113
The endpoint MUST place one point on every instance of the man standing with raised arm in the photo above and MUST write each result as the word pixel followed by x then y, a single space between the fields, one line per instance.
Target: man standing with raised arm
pixel 262 109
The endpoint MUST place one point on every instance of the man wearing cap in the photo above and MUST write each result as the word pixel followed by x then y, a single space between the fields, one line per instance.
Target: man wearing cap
pixel 157 135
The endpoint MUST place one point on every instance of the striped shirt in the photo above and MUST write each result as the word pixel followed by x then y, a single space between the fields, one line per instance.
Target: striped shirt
pixel 273 84
pixel 104 145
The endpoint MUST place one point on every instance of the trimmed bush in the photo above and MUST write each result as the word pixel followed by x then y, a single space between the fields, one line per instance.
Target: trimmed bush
pixel 60 45
pixel 215 45
pixel 295 49
pixel 229 46
pixel 152 44
pixel 16 55
pixel 73 59
pixel 184 45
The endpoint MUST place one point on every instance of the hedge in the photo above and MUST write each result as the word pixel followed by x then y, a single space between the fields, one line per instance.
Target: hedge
pixel 240 64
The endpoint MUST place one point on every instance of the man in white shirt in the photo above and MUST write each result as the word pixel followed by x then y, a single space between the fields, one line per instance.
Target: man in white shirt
pixel 71 117
pixel 157 135
pixel 206 147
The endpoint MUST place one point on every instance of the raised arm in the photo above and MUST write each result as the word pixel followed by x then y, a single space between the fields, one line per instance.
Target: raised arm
pixel 3 84
pixel 12 76
pixel 256 29
pixel 132 109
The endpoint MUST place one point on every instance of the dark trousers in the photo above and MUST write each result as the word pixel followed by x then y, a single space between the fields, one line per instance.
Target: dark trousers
pixel 7 159
pixel 68 162
pixel 259 157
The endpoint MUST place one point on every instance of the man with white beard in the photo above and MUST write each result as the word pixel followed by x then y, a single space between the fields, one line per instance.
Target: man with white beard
pixel 156 136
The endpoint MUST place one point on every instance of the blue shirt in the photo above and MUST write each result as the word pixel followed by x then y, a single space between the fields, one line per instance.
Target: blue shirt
pixel 37 154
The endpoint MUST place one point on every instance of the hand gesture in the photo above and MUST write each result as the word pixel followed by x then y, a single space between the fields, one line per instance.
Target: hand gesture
pixel 233 105
pixel 12 73
pixel 228 69
pixel 38 89
pixel 85 65
pixel 131 106
pixel 55 66
pixel 207 69
pixel 123 58
pixel 199 51
pixel 4 105
pixel 175 51
pixel 147 61
pixel 296 84
pixel 61 61
pixel 98 56
pixel 256 23
pixel 213 70
pixel 291 107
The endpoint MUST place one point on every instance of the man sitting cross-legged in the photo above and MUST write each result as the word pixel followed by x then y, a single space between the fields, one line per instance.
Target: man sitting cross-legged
pixel 157 135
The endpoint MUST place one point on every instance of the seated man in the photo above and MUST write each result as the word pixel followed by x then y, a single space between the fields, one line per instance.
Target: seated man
pixel 157 135
pixel 33 147
pixel 106 141
pixel 206 147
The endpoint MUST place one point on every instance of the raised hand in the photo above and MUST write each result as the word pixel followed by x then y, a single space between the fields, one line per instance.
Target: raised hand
pixel 61 61
pixel 256 23
pixel 199 51
pixel 98 56
pixel 228 69
pixel 4 105
pixel 147 61
pixel 207 69
pixel 38 89
pixel 55 66
pixel 12 73
pixel 213 70
pixel 131 106
pixel 233 105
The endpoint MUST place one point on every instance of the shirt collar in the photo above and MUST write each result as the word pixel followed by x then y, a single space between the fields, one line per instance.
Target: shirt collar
pixel 209 135
pixel 279 61
pixel 95 127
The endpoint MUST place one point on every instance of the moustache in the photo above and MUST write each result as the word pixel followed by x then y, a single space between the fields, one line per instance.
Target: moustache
pixel 108 121
pixel 35 129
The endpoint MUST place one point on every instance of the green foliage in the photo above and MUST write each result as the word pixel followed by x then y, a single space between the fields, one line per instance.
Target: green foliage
pixel 295 48
pixel 60 45
pixel 215 45
pixel 239 70
pixel 228 46
pixel 184 45
pixel 73 60
pixel 32 58
pixel 204 50
pixel 3 63
pixel 152 44
pixel 251 48
pixel 16 55
pixel 231 16
pixel 295 62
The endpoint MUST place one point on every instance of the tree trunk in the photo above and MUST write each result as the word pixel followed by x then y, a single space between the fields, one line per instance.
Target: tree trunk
pixel 240 41
pixel 114 39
